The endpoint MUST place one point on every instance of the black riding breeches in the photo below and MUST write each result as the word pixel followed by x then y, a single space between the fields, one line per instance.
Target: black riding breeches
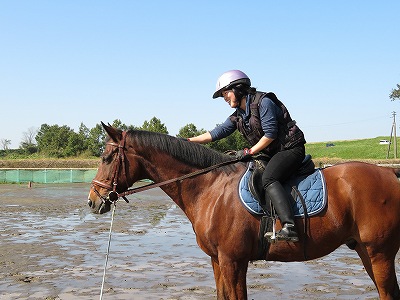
pixel 283 165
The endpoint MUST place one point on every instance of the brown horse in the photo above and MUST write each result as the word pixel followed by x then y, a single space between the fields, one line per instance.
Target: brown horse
pixel 362 211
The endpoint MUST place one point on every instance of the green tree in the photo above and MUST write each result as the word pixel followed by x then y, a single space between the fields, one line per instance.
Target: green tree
pixel 76 145
pixel 118 124
pixel 53 140
pixel 83 130
pixel 83 133
pixel 28 148
pixel 189 131
pixel 235 141
pixel 96 139
pixel 133 127
pixel 154 125
pixel 395 94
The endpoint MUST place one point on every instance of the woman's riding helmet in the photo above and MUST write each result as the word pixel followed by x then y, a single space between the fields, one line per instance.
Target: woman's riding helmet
pixel 230 79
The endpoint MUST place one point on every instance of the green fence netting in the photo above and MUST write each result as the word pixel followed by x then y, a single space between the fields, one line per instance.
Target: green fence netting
pixel 47 175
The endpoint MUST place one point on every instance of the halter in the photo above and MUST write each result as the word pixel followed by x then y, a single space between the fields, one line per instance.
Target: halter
pixel 113 195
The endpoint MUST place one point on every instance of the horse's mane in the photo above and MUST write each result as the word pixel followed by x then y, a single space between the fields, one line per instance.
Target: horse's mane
pixel 188 152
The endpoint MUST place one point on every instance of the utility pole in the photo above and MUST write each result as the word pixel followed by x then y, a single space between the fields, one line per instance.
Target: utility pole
pixel 393 134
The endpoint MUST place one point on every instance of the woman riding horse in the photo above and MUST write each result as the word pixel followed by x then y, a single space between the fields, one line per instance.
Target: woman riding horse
pixel 266 124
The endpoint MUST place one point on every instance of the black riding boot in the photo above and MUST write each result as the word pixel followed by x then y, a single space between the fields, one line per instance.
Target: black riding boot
pixel 280 201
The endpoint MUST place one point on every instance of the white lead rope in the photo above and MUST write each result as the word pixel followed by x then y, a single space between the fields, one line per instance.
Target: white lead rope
pixel 108 252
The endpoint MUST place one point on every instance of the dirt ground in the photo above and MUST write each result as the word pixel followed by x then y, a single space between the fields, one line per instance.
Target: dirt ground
pixel 53 247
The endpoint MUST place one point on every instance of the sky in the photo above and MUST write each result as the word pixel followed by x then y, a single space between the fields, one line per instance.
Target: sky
pixel 333 63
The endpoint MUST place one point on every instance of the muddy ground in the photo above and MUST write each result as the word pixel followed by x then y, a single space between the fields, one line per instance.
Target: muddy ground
pixel 53 247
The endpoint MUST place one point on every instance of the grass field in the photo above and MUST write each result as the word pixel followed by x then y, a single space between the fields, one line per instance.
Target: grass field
pixel 352 149
pixel 363 149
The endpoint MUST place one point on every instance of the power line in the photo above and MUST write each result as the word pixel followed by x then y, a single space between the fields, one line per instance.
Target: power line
pixel 346 123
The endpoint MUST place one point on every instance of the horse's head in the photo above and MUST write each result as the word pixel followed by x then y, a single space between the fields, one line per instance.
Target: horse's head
pixel 113 173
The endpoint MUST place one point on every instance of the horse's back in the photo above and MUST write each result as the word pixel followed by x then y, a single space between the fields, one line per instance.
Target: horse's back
pixel 361 178
pixel 367 195
pixel 367 176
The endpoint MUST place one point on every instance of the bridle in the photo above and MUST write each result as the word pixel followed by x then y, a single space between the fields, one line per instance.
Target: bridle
pixel 113 195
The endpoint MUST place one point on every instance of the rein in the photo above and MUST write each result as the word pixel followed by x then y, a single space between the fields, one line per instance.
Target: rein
pixel 193 174
pixel 113 195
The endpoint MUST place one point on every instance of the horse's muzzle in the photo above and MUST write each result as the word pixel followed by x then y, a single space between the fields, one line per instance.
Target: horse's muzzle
pixel 98 205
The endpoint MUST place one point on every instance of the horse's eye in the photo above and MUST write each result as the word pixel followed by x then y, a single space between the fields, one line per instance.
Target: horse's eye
pixel 105 159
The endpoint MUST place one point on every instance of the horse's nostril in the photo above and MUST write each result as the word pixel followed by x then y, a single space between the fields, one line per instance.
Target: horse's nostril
pixel 90 203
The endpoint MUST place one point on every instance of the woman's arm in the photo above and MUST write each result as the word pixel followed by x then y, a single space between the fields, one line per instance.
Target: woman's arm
pixel 261 144
pixel 202 138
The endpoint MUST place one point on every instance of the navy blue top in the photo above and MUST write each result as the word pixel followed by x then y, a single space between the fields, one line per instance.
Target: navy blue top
pixel 269 115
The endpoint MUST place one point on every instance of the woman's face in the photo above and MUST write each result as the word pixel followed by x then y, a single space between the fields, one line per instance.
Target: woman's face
pixel 230 98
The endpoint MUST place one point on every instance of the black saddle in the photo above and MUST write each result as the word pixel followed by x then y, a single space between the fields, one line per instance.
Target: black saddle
pixel 257 168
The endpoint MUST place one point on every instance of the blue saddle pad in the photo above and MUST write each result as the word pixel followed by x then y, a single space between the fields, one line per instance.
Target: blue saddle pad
pixel 311 187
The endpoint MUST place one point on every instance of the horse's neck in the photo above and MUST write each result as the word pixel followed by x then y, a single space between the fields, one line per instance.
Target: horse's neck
pixel 185 193
pixel 191 192
pixel 165 168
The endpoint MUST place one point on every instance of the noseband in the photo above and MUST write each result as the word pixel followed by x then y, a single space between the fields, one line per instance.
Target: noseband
pixel 113 195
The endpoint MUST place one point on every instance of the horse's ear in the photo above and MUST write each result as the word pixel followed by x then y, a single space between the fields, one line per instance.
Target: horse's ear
pixel 114 133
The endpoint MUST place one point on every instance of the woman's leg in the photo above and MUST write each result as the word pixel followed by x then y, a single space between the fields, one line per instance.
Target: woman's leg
pixel 281 166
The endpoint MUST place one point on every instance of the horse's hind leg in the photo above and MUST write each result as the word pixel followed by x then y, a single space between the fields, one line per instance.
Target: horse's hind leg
pixel 381 268
pixel 385 277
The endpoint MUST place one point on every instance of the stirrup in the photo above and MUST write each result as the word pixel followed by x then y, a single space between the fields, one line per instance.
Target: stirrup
pixel 271 236
pixel 287 238
pixel 288 233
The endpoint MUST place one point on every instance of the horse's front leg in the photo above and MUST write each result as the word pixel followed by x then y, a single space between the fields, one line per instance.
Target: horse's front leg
pixel 230 278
